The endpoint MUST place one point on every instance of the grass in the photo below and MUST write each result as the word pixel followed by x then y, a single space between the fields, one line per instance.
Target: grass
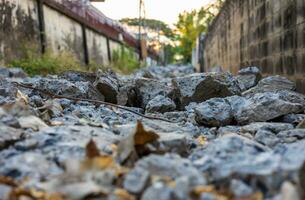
pixel 123 61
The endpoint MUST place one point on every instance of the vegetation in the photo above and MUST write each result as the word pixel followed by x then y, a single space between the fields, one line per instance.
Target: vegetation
pixel 190 25
pixel 124 61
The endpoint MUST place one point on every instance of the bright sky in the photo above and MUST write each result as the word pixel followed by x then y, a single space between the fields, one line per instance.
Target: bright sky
pixel 164 10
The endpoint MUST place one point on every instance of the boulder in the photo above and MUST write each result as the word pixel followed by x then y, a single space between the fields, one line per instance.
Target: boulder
pixel 267 138
pixel 63 87
pixel 248 77
pixel 271 84
pixel 293 135
pixel 275 128
pixel 76 76
pixel 266 106
pixel 8 91
pixel 107 84
pixel 214 112
pixel 201 87
pixel 160 104
pixel 148 89
pixel 12 73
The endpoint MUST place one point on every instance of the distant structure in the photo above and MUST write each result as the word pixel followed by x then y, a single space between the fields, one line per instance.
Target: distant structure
pixel 63 25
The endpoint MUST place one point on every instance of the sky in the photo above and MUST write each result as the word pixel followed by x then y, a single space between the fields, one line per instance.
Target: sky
pixel 164 10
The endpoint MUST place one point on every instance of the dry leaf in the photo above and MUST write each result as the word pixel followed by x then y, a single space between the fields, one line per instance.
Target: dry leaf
pixel 91 150
pixel 56 123
pixel 32 122
pixel 8 181
pixel 142 137
pixel 201 140
pixel 122 194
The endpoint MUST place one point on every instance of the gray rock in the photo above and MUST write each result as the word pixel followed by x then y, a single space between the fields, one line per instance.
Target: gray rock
pixel 148 89
pixel 292 135
pixel 294 119
pixel 63 87
pixel 262 107
pixel 28 164
pixel 275 128
pixel 77 76
pixel 107 84
pixel 136 180
pixel 201 87
pixel 267 138
pixel 271 84
pixel 248 77
pixel 214 112
pixel 172 166
pixel 158 191
pixel 12 73
pixel 160 104
pixel 243 159
pixel 208 196
pixel 8 136
pixel 8 91
pixel 240 189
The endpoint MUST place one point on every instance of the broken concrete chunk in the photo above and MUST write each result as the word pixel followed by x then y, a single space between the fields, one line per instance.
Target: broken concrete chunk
pixel 107 84
pixel 201 87
pixel 148 89
pixel 271 84
pixel 160 104
pixel 214 112
pixel 248 77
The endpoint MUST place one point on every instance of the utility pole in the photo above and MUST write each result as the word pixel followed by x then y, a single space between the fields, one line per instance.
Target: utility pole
pixel 140 24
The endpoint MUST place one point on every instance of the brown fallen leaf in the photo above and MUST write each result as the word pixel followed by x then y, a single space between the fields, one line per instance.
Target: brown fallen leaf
pixel 91 150
pixel 197 191
pixel 142 136
pixel 8 181
pixel 134 145
pixel 122 194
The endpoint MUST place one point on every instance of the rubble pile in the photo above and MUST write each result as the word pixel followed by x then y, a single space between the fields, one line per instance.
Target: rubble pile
pixel 164 133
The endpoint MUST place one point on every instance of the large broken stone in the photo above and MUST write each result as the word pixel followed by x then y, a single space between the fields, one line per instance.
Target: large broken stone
pixel 271 84
pixel 148 89
pixel 160 104
pixel 266 106
pixel 201 87
pixel 63 87
pixel 214 112
pixel 12 73
pixel 107 84
pixel 248 77
pixel 240 158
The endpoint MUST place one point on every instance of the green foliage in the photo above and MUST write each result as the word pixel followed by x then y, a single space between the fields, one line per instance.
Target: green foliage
pixel 124 61
pixel 48 63
pixel 190 25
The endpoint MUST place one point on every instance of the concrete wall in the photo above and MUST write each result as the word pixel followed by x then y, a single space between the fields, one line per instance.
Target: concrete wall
pixel 59 26
pixel 19 28
pixel 97 47
pixel 267 33
pixel 63 34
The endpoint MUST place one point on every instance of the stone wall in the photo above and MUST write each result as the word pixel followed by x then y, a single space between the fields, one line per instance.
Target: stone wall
pixel 59 26
pixel 266 33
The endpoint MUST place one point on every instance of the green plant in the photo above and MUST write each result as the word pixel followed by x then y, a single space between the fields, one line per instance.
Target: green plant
pixel 124 61
pixel 48 63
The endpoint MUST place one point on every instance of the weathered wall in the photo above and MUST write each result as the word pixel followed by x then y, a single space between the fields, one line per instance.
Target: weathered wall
pixel 19 28
pixel 59 26
pixel 63 33
pixel 266 33
pixel 97 47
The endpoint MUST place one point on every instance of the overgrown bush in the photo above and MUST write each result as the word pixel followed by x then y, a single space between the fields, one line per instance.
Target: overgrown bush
pixel 124 61
pixel 48 63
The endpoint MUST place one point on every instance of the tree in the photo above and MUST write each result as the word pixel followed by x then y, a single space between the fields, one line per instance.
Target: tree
pixel 190 25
